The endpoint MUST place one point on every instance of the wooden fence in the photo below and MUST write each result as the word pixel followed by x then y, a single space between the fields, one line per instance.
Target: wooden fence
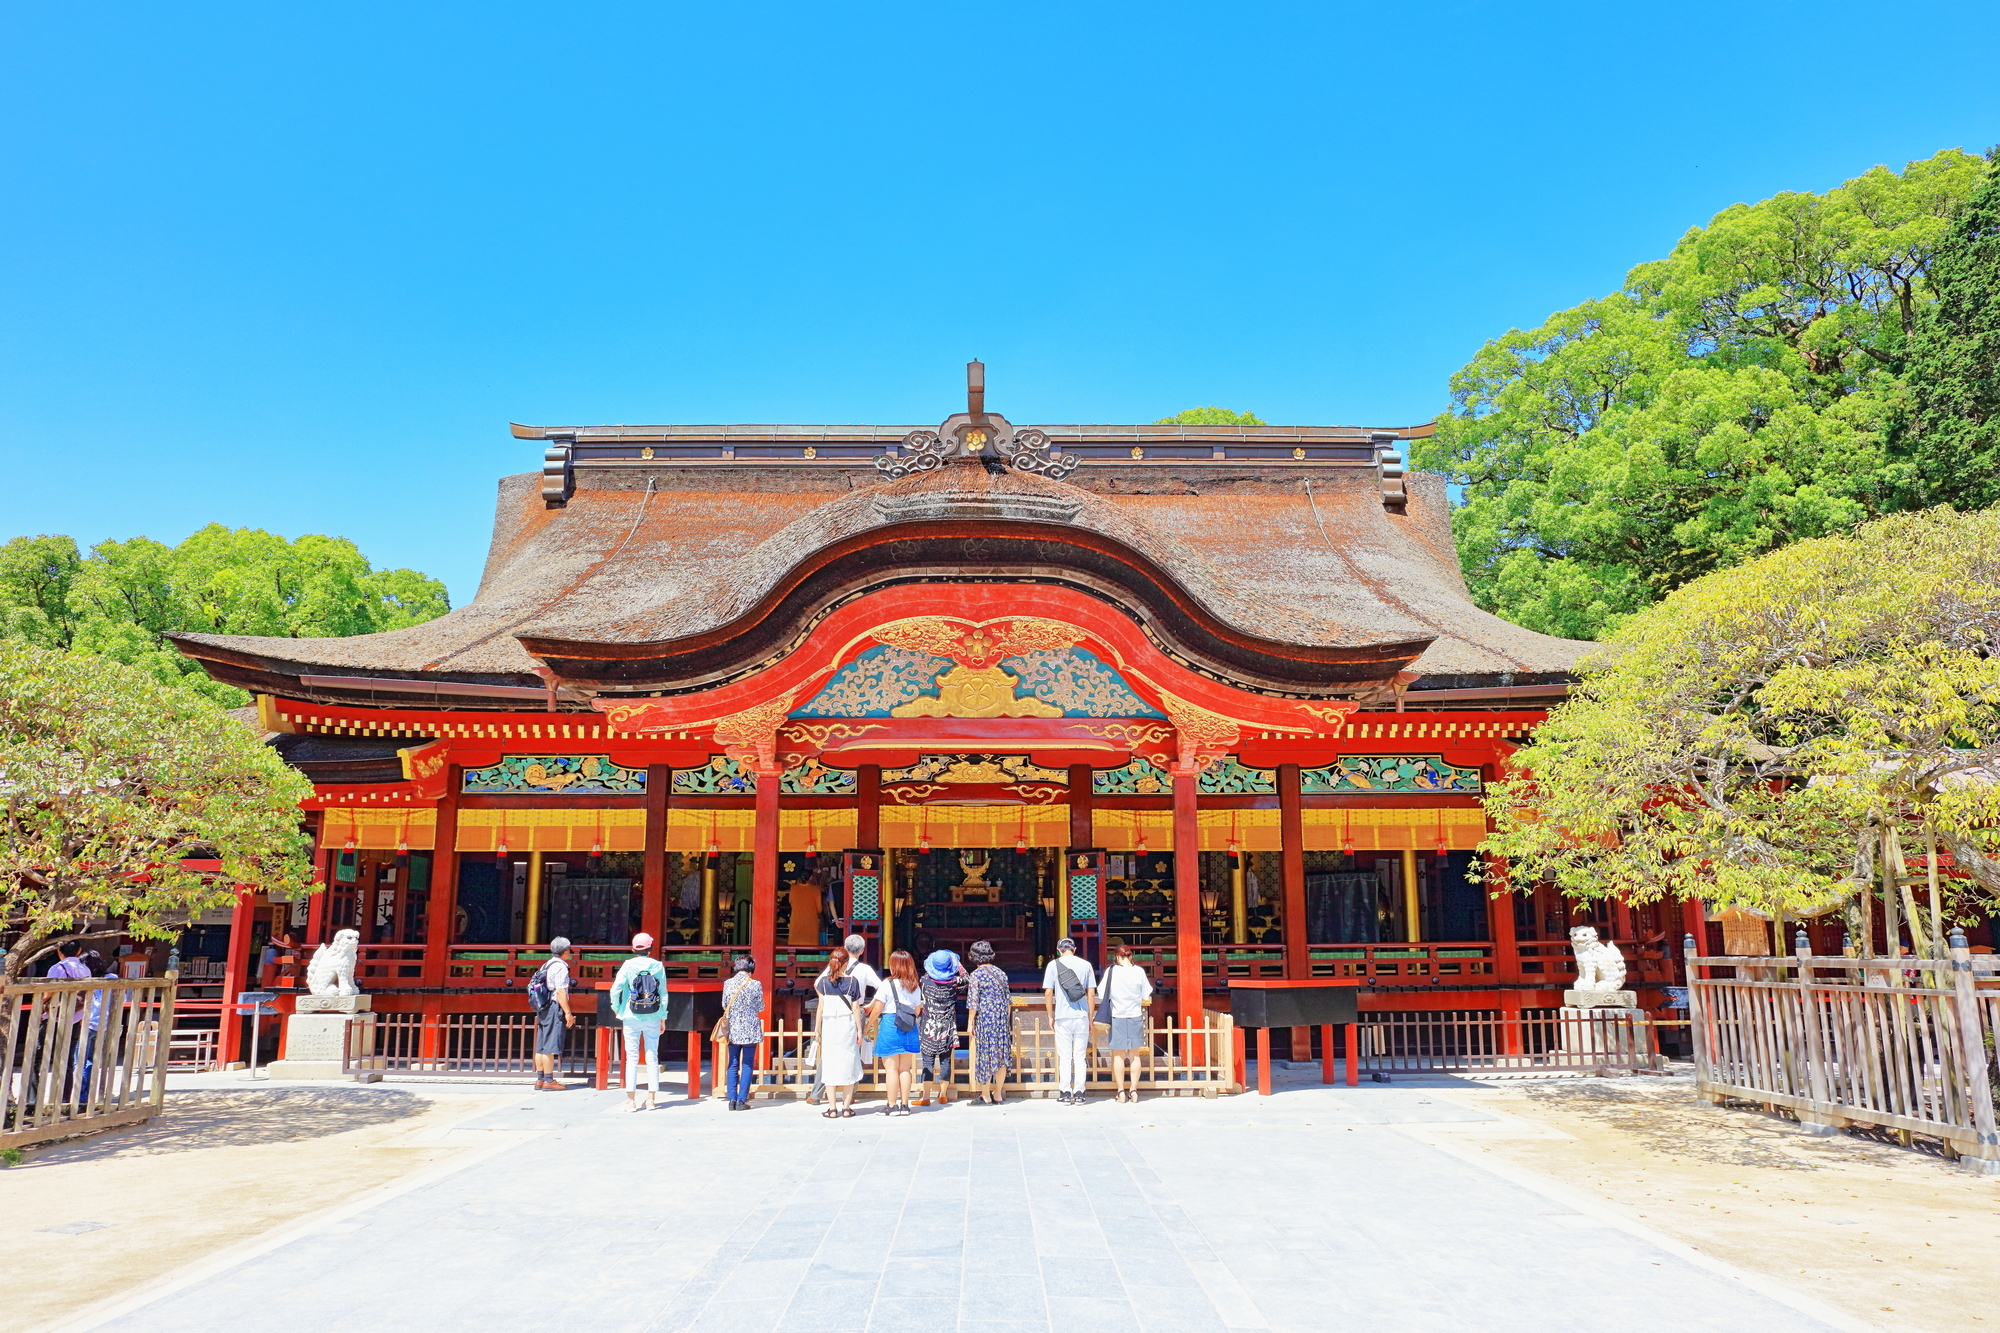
pixel 82 1055
pixel 1482 1041
pixel 1903 1044
pixel 479 1045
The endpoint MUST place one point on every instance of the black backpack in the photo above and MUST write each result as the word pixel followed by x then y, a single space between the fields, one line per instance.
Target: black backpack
pixel 540 997
pixel 644 995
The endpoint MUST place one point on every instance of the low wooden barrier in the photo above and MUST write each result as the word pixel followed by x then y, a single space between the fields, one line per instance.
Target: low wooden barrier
pixel 1904 1044
pixel 81 1056
pixel 459 1046
pixel 1482 1041
pixel 1185 1060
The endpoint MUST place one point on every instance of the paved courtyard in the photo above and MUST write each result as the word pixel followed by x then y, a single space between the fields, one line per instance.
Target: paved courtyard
pixel 1314 1209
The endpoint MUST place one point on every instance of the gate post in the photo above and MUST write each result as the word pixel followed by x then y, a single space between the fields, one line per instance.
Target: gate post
pixel 1985 1159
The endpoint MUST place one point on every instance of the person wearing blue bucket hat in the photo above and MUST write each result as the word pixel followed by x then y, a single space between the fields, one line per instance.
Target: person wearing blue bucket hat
pixel 943 988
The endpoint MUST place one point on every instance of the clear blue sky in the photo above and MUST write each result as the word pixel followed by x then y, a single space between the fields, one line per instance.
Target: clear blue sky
pixel 296 266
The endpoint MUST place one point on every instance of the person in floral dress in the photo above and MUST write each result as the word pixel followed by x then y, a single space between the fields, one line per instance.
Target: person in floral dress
pixel 992 1006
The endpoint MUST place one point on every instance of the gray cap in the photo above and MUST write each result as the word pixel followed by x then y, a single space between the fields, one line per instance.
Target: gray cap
pixel 560 944
pixel 1065 945
pixel 855 945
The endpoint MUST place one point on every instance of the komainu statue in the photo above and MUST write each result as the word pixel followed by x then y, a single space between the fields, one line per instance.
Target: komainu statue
pixel 331 971
pixel 1599 965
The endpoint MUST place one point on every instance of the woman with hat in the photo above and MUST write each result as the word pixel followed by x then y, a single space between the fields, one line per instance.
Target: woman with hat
pixel 937 1031
pixel 992 1025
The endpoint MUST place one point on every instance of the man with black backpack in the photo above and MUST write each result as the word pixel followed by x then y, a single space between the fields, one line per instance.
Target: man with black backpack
pixel 1071 986
pixel 548 996
pixel 638 998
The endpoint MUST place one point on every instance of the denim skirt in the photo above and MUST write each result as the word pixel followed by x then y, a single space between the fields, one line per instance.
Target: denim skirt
pixel 889 1041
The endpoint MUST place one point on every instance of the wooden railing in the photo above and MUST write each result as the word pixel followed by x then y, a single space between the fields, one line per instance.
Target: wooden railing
pixel 1904 1044
pixel 78 1056
pixel 503 965
pixel 457 1046
pixel 1474 1041
pixel 1185 1060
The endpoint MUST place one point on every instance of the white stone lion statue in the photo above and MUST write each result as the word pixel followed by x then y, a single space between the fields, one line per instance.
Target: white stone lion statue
pixel 331 971
pixel 1599 965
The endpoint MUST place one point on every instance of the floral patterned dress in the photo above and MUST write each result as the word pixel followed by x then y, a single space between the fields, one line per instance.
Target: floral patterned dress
pixel 993 1025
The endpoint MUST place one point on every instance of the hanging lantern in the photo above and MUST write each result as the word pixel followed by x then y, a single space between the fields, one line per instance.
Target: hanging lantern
pixel 348 846
pixel 924 841
pixel 1441 848
pixel 1141 848
pixel 1021 834
pixel 1210 900
pixel 1346 833
pixel 1235 848
pixel 812 835
pixel 714 847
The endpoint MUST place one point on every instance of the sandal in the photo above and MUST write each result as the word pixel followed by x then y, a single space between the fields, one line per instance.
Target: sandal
pixel 829 1114
pixel 847 1114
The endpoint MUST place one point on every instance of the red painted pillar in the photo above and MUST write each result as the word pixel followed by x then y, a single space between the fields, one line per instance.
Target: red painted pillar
pixel 1326 1054
pixel 1082 831
pixel 1353 1055
pixel 1187 902
pixel 1292 832
pixel 1263 1062
pixel 694 1066
pixel 236 973
pixel 444 884
pixel 1694 921
pixel 764 882
pixel 868 807
pixel 1500 929
pixel 653 862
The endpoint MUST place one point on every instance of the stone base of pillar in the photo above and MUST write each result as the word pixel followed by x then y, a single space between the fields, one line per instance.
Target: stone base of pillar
pixel 321 1032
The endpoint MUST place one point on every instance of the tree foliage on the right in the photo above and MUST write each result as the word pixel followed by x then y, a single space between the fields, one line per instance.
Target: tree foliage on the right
pixel 1787 735
pixel 1734 397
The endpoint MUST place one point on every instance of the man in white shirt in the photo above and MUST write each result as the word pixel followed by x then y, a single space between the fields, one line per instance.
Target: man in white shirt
pixel 1071 987
pixel 553 1023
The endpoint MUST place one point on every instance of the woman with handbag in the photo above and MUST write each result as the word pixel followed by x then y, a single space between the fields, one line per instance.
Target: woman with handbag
pixel 837 1033
pixel 741 1027
pixel 1128 992
pixel 943 986
pixel 899 1006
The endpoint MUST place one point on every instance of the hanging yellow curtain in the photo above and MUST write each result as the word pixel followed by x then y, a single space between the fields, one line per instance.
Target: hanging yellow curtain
pixel 692 830
pixel 975 825
pixel 1462 829
pixel 552 830
pixel 379 829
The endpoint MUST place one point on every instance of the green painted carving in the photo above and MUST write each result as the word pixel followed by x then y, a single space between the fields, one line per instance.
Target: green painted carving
pixel 725 777
pixel 553 775
pixel 1389 773
pixel 1141 777
pixel 1227 777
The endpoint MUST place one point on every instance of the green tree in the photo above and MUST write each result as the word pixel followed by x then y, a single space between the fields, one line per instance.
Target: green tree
pixel 1952 432
pixel 1734 397
pixel 120 600
pixel 109 778
pixel 1211 416
pixel 1768 735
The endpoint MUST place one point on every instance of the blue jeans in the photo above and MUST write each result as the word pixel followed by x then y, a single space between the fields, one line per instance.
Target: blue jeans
pixel 742 1060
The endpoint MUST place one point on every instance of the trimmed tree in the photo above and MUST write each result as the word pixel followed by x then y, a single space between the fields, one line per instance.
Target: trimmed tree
pixel 109 779
pixel 1776 736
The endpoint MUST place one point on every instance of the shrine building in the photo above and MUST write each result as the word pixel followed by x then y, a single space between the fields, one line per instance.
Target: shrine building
pixel 1216 692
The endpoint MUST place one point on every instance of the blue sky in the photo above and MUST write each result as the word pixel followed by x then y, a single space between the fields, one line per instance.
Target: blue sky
pixel 297 266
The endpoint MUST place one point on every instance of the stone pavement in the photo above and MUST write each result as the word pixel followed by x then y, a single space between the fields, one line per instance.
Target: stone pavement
pixel 1308 1210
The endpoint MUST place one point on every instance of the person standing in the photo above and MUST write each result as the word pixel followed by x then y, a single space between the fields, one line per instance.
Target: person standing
pixel 742 1011
pixel 937 1032
pixel 1128 992
pixel 898 1008
pixel 1070 985
pixel 870 981
pixel 548 996
pixel 837 1033
pixel 639 999
pixel 992 1005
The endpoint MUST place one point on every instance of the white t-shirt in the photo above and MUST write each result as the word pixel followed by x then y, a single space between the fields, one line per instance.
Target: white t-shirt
pixel 557 975
pixel 1052 981
pixel 870 979
pixel 894 992
pixel 1129 986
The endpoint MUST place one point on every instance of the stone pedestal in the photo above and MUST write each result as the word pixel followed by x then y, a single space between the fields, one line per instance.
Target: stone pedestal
pixel 1602 1022
pixel 318 1034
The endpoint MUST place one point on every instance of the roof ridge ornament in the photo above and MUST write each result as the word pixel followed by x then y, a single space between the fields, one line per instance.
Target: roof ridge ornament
pixel 976 436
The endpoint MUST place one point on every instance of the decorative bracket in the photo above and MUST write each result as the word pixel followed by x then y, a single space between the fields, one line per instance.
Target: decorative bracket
pixel 976 435
pixel 1389 471
pixel 751 736
pixel 558 475
pixel 1204 737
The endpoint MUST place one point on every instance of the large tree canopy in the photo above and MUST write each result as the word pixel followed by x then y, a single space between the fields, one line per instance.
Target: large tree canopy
pixel 119 600
pixel 1734 397
pixel 1210 416
pixel 1768 734
pixel 109 780
pixel 1952 431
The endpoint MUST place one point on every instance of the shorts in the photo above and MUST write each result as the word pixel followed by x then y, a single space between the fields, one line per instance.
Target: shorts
pixel 550 1031
pixel 890 1041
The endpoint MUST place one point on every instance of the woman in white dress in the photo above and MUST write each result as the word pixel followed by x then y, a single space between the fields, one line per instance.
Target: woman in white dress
pixel 837 1034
